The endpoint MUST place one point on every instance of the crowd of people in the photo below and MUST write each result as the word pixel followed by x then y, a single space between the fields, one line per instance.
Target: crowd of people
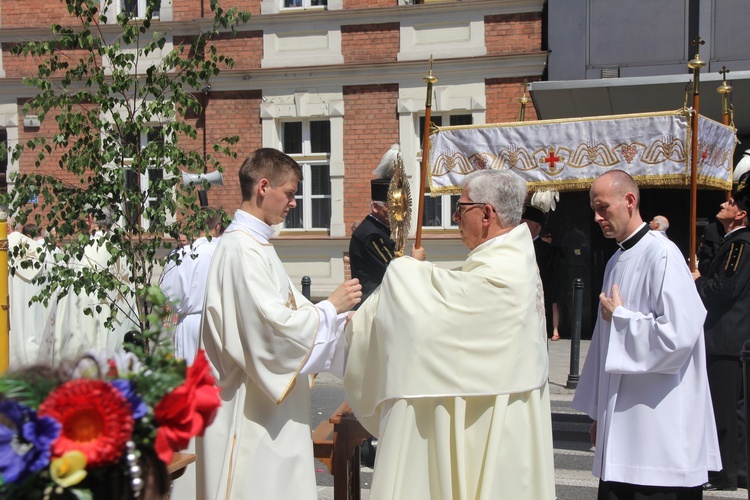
pixel 449 368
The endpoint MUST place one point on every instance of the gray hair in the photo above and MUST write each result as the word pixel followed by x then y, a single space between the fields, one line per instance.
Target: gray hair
pixel 502 189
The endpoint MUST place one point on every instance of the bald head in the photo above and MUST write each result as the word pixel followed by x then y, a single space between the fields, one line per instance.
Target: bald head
pixel 621 183
pixel 615 197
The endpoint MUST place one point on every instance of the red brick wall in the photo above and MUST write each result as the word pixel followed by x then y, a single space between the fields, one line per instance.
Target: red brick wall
pixel 370 42
pixel 369 4
pixel 20 66
pixel 513 33
pixel 28 13
pixel 229 114
pixel 246 48
pixel 370 127
pixel 502 99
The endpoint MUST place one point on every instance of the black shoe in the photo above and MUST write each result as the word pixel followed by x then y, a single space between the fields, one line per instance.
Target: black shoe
pixel 714 487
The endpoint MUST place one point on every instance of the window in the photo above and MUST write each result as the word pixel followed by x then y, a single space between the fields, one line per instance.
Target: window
pixel 145 182
pixel 303 4
pixel 137 8
pixel 309 142
pixel 438 211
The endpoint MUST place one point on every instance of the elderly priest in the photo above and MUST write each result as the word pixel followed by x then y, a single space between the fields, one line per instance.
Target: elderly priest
pixel 449 367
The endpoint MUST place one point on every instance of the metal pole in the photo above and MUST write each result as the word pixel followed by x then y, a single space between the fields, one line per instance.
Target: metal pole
pixel 745 357
pixel 430 79
pixel 4 302
pixel 575 334
pixel 306 282
pixel 695 64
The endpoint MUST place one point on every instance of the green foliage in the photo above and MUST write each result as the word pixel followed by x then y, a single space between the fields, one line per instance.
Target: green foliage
pixel 118 97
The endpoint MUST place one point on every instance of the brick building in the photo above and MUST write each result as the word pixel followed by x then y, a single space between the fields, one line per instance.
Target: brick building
pixel 333 83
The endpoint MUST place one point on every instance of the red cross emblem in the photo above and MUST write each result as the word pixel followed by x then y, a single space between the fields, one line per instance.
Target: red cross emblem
pixel 551 159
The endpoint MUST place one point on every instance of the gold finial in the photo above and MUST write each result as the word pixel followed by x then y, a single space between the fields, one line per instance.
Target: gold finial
pixel 430 78
pixel 524 99
pixel 724 88
pixel 697 62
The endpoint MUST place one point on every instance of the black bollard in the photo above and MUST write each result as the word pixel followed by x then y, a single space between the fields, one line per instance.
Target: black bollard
pixel 575 334
pixel 745 357
pixel 306 282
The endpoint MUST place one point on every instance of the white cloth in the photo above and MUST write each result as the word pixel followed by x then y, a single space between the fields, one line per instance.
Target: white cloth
pixel 69 333
pixel 258 332
pixel 449 369
pixel 27 319
pixel 565 155
pixel 184 284
pixel 644 380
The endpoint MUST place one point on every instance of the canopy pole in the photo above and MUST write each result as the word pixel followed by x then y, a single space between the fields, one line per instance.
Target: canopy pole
pixel 430 79
pixel 695 64
pixel 725 89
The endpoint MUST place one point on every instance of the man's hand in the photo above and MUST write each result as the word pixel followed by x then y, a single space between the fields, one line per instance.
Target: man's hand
pixel 696 274
pixel 418 253
pixel 610 304
pixel 347 295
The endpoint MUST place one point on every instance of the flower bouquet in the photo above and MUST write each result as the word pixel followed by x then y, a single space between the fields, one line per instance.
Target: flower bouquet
pixel 101 428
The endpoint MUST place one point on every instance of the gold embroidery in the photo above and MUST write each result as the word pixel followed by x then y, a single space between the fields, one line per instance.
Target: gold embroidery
pixel 291 302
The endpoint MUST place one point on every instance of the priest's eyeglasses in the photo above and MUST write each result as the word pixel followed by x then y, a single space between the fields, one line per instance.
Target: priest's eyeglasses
pixel 459 204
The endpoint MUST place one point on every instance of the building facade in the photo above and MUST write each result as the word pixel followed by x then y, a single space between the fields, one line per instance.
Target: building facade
pixel 334 84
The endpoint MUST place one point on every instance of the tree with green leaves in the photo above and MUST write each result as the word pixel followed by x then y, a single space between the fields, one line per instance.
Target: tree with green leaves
pixel 120 96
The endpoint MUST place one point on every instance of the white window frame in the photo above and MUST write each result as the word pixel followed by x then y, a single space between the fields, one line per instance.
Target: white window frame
pixel 303 5
pixel 117 7
pixel 143 181
pixel 308 161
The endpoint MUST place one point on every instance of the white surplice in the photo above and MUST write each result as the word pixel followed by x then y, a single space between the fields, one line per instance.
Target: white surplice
pixel 69 332
pixel 644 380
pixel 184 284
pixel 449 369
pixel 261 336
pixel 27 319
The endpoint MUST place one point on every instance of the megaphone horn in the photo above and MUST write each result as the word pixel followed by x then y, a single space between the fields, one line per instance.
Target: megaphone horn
pixel 213 178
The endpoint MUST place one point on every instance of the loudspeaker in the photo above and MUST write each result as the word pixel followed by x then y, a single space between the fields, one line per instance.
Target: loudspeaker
pixel 214 179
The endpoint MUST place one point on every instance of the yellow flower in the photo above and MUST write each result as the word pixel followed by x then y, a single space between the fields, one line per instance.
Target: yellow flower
pixel 69 469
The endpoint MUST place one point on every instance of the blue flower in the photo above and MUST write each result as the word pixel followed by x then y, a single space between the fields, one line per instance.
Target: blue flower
pixel 25 440
pixel 127 390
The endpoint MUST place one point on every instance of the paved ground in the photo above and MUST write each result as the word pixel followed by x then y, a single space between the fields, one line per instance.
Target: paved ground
pixel 573 453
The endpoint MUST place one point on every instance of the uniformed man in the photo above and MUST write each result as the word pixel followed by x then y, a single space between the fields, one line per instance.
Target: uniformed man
pixel 725 290
pixel 371 248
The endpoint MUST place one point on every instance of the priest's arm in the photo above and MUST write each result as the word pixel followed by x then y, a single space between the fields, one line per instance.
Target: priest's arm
pixel 660 320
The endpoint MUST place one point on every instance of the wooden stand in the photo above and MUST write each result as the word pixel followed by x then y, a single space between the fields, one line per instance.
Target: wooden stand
pixel 336 443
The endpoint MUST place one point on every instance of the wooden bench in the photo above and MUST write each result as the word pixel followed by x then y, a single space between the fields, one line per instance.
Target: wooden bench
pixel 336 443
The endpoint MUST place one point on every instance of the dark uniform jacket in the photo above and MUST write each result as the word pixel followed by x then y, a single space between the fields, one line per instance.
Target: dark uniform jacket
pixel 370 251
pixel 725 291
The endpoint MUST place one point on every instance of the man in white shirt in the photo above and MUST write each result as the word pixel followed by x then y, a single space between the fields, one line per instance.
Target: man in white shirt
pixel 263 339
pixel 644 382
pixel 184 284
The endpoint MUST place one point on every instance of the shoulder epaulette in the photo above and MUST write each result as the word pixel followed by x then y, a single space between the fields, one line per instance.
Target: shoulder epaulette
pixel 734 257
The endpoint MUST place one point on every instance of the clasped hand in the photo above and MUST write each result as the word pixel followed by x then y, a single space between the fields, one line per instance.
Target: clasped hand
pixel 609 304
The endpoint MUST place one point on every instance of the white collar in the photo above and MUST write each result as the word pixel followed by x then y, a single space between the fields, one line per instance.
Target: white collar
pixel 244 221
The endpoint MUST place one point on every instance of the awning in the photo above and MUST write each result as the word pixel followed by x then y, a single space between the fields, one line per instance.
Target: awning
pixel 615 96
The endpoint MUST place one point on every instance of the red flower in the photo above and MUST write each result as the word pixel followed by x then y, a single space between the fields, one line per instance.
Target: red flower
pixel 96 420
pixel 186 411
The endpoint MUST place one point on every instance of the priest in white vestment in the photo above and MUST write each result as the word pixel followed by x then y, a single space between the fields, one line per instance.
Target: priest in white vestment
pixel 644 381
pixel 449 367
pixel 184 284
pixel 27 319
pixel 69 333
pixel 263 340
